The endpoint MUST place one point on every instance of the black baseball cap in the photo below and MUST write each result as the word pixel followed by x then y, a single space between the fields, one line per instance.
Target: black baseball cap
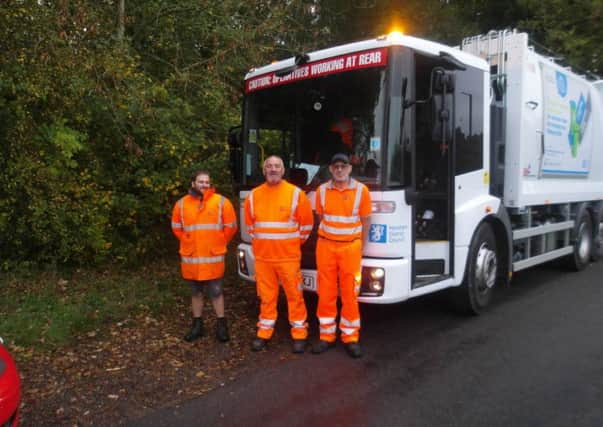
pixel 340 157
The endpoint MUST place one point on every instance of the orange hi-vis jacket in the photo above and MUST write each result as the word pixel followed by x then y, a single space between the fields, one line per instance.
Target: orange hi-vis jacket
pixel 345 128
pixel 204 228
pixel 342 210
pixel 279 218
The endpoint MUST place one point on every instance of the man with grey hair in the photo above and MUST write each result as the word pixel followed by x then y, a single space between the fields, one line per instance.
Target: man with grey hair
pixel 279 219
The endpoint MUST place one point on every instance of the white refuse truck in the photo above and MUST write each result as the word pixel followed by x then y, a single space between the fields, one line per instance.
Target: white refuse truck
pixel 482 159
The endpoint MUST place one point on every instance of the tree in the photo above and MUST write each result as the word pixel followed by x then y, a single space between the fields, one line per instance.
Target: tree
pixel 572 30
pixel 101 131
pixel 106 106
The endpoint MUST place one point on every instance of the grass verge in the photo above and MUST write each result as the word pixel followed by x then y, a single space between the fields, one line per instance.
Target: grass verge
pixel 47 310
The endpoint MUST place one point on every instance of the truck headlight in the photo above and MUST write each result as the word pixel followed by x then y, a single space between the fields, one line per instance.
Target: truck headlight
pixel 373 281
pixel 383 206
pixel 242 262
pixel 377 273
pixel 376 286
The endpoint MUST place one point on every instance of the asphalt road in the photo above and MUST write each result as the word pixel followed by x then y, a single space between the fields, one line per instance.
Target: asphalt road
pixel 534 359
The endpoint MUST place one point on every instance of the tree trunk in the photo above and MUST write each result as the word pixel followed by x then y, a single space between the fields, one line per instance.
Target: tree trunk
pixel 121 19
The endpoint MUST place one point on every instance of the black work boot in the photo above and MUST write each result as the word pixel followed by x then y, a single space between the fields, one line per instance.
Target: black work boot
pixel 322 346
pixel 222 330
pixel 353 349
pixel 299 346
pixel 258 344
pixel 197 330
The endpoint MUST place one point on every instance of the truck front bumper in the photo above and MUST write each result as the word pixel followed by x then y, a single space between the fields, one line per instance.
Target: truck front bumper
pixel 384 281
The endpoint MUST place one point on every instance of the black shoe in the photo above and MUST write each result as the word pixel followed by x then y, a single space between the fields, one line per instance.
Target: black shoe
pixel 197 330
pixel 222 330
pixel 299 346
pixel 353 349
pixel 322 346
pixel 258 344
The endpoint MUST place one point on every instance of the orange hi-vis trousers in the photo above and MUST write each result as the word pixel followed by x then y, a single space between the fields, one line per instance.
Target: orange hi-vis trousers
pixel 338 263
pixel 268 275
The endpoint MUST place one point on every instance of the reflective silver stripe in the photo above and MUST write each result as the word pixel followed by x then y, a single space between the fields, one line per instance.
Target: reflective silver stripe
pixel 322 190
pixel 306 228
pixel 294 203
pixel 176 225
pixel 277 236
pixel 353 184
pixel 251 205
pixel 201 259
pixel 343 219
pixel 220 207
pixel 326 320
pixel 181 209
pixel 329 330
pixel 347 331
pixel 230 224
pixel 202 227
pixel 298 324
pixel 352 323
pixel 340 231
pixel 291 224
pixel 276 224
pixel 266 323
pixel 357 199
pixel 193 227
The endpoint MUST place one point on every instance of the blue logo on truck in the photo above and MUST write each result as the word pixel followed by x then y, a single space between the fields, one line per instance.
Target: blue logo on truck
pixel 378 233
pixel 561 83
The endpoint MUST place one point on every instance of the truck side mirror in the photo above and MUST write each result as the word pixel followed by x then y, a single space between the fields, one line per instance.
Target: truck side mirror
pixel 443 82
pixel 442 88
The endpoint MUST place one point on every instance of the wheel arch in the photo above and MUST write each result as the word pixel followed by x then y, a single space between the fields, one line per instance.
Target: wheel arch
pixel 578 211
pixel 501 226
pixel 464 297
pixel 580 208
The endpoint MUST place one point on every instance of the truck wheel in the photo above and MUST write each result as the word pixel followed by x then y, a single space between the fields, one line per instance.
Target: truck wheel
pixel 583 244
pixel 474 294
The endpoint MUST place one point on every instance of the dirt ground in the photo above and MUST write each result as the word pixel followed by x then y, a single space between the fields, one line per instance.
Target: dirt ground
pixel 142 364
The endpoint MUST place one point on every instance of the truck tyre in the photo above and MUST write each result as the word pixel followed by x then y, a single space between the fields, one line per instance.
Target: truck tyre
pixel 583 243
pixel 474 294
pixel 597 250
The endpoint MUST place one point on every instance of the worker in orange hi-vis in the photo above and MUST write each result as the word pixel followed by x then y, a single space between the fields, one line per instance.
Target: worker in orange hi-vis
pixel 344 206
pixel 345 128
pixel 204 222
pixel 279 219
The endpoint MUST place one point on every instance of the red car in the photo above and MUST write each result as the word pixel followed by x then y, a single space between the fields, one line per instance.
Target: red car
pixel 10 389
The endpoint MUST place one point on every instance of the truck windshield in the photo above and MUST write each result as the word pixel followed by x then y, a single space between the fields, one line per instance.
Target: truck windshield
pixel 308 121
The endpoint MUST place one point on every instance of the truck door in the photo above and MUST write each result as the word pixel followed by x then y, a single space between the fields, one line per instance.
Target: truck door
pixel 433 203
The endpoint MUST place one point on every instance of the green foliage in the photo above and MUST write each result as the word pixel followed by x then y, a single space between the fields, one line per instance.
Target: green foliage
pixel 437 20
pixel 99 133
pixel 572 31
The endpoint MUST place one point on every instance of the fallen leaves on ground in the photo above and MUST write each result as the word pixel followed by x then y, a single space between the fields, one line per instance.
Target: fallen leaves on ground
pixel 135 366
